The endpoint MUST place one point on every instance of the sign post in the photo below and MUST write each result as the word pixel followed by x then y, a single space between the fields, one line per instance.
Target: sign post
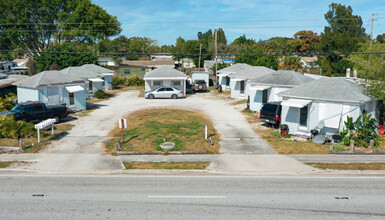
pixel 122 124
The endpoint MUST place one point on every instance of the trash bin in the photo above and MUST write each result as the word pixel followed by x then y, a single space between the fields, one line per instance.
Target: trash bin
pixel 381 130
pixel 313 133
pixel 284 129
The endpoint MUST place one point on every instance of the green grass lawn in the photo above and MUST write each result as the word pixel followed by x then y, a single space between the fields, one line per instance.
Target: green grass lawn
pixel 167 165
pixel 348 166
pixel 147 129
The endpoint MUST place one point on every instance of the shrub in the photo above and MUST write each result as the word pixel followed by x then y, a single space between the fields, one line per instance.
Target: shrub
pixel 134 81
pixel 10 128
pixel 118 80
pixel 8 102
pixel 100 94
pixel 361 131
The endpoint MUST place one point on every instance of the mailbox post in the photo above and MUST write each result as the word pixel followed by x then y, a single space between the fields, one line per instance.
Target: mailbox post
pixel 122 124
pixel 45 124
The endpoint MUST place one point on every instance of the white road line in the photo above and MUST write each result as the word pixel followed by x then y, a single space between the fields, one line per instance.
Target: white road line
pixel 191 197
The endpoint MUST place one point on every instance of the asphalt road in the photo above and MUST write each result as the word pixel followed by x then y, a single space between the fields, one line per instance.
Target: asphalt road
pixel 190 197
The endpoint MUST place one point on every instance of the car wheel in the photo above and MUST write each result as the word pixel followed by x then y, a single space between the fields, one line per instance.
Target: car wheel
pixel 57 118
pixel 174 96
pixel 151 96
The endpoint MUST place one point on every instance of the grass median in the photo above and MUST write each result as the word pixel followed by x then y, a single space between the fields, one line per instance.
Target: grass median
pixel 348 166
pixel 167 165
pixel 148 128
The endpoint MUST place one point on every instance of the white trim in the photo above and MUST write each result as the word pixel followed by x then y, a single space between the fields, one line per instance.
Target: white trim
pixel 237 80
pixel 96 80
pixel 73 89
pixel 166 78
pixel 107 74
pixel 296 103
pixel 259 88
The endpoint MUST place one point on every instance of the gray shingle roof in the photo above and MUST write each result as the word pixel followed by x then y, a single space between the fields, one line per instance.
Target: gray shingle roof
pixel 79 72
pixel 242 70
pixel 97 69
pixel 283 78
pixel 165 71
pixel 331 89
pixel 47 78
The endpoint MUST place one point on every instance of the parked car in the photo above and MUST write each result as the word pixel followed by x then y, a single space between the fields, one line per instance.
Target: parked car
pixel 37 111
pixel 200 85
pixel 164 92
pixel 271 113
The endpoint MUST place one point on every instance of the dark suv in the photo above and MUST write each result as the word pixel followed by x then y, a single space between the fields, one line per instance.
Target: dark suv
pixel 271 113
pixel 200 85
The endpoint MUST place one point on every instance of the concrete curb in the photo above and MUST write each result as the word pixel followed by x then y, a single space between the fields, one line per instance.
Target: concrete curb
pixel 159 152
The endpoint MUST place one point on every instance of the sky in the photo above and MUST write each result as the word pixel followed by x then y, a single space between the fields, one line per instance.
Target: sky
pixel 166 20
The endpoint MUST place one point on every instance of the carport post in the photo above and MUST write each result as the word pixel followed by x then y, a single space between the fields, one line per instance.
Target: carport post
pixel 53 129
pixel 122 123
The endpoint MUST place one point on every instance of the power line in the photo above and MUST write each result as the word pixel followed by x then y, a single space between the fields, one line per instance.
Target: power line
pixel 185 22
pixel 206 54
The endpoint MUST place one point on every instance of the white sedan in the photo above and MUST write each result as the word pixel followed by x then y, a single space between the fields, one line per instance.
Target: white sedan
pixel 164 92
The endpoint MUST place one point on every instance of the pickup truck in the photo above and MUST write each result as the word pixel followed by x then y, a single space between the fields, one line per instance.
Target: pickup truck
pixel 37 111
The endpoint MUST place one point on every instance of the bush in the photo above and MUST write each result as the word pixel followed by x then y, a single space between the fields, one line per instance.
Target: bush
pixel 10 128
pixel 118 80
pixel 361 131
pixel 8 102
pixel 134 81
pixel 100 94
pixel 128 81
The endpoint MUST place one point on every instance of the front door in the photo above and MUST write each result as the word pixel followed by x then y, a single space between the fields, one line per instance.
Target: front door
pixel 71 98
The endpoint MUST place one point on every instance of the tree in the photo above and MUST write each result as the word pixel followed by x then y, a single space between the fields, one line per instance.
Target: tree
pixel 291 63
pixel 343 34
pixel 257 58
pixel 305 42
pixel 380 38
pixel 35 25
pixel 63 56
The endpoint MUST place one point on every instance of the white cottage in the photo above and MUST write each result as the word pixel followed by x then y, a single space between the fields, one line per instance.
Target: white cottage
pixel 165 76
pixel 52 88
pixel 265 88
pixel 324 104
pixel 236 78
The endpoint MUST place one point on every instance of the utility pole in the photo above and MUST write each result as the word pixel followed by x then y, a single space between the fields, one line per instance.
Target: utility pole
pixel 371 28
pixel 200 52
pixel 216 53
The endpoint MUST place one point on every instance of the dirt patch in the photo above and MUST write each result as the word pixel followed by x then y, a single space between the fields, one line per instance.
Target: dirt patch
pixel 148 128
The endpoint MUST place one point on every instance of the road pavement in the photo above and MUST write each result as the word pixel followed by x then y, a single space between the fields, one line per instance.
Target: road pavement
pixel 190 197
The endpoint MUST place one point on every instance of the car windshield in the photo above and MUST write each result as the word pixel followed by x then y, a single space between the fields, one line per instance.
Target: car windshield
pixel 269 108
pixel 17 108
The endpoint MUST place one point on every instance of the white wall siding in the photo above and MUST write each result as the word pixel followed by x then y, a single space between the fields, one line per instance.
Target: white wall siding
pixel 27 94
pixel 201 76
pixel 255 100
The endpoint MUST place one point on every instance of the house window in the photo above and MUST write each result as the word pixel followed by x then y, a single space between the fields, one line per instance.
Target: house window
pixel 143 69
pixel 127 71
pixel 90 87
pixel 242 87
pixel 303 116
pixel 157 83
pixel 71 97
pixel 176 83
pixel 227 81
pixel 264 96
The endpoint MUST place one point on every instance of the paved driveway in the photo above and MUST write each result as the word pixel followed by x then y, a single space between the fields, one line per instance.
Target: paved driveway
pixel 81 150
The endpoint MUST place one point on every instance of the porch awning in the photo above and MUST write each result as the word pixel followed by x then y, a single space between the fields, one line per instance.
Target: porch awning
pixel 224 73
pixel 260 88
pixel 237 80
pixel 296 103
pixel 73 89
pixel 96 80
